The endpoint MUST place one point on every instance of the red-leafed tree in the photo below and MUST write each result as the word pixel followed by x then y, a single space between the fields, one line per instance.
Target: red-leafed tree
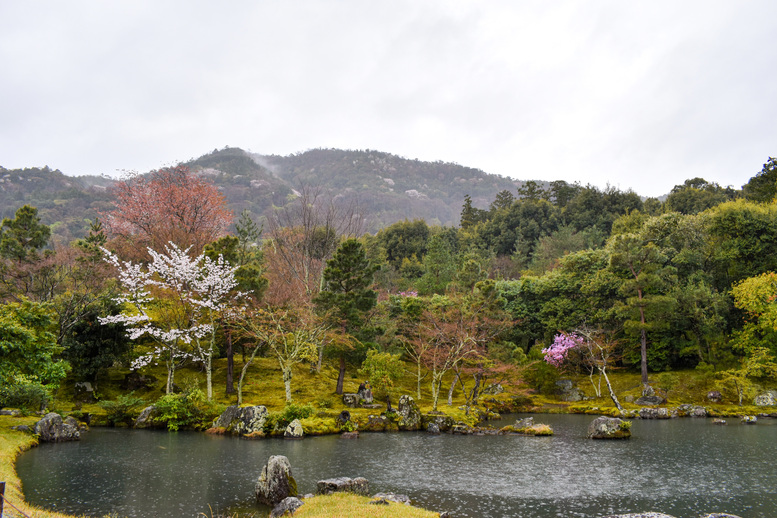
pixel 169 205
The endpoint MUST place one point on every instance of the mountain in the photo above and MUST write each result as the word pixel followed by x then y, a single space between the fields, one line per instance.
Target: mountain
pixel 388 188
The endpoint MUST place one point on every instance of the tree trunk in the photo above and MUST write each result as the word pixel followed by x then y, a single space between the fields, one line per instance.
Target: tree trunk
pixel 643 338
pixel 341 376
pixel 418 381
pixel 450 391
pixel 243 375
pixel 612 392
pixel 230 364
pixel 287 383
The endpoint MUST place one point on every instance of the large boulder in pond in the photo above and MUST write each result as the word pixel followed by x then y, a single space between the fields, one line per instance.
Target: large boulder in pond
pixel 275 483
pixel 52 428
pixel 358 486
pixel 442 422
pixel 247 420
pixel 609 428
pixel 409 415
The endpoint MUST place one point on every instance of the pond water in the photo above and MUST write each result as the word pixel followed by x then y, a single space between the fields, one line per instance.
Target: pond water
pixel 683 467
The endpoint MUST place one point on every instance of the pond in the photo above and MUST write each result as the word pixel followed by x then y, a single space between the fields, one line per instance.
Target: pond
pixel 683 467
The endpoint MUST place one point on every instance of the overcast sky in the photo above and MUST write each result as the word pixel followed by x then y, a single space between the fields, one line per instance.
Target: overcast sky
pixel 638 94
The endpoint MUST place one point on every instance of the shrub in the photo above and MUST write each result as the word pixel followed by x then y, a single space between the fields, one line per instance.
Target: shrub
pixel 29 396
pixel 278 421
pixel 186 410
pixel 122 410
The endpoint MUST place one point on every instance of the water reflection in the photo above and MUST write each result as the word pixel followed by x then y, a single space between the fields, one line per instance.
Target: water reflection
pixel 683 467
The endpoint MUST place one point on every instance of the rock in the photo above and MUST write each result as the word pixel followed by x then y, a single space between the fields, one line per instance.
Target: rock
pixel 654 413
pixel 409 415
pixel 461 429
pixel 526 422
pixel 433 429
pixel 145 418
pixel 442 421
pixel 648 391
pixel 493 389
pixel 719 515
pixel 287 505
pixel 247 420
pixel 84 392
pixel 379 501
pixel 392 497
pixel 366 395
pixel 698 411
pixel 53 429
pixel 749 419
pixel 349 435
pixel 719 421
pixel 358 485
pixel 275 483
pixel 351 400
pixel 608 428
pixel 22 428
pixel 136 381
pixel 768 398
pixel 567 391
pixel 715 396
pixel 639 515
pixel 343 418
pixel 628 399
pixel 378 423
pixel 294 430
pixel 13 412
pixel 445 514
pixel 650 400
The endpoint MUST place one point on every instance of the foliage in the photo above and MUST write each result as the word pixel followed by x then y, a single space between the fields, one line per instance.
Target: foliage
pixel 382 369
pixel 28 348
pixel 168 205
pixel 278 421
pixel 123 410
pixel 25 394
pixel 189 409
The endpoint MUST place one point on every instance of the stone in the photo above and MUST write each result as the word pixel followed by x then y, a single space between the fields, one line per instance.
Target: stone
pixel 749 419
pixel 719 421
pixel 409 415
pixel 433 429
pixel 349 435
pixel 768 398
pixel 294 430
pixel 654 413
pixel 13 412
pixel 136 381
pixel 567 391
pixel 648 391
pixel 145 419
pixel 84 392
pixel 640 515
pixel 653 400
pixel 719 515
pixel 608 428
pixel 247 420
pixel 698 411
pixel 351 400
pixel 343 418
pixel 714 396
pixel 493 389
pixel 379 501
pixel 22 428
pixel 442 421
pixel 628 399
pixel 276 482
pixel 52 428
pixel 526 422
pixel 377 423
pixel 365 393
pixel 287 505
pixel 358 485
pixel 393 497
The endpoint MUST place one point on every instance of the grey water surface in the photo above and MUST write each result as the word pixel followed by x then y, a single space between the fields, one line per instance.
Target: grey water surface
pixel 683 467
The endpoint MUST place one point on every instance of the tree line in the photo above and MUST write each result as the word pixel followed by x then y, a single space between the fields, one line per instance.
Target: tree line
pixel 687 283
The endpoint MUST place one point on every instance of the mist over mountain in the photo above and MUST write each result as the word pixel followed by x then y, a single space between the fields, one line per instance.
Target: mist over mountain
pixel 386 187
